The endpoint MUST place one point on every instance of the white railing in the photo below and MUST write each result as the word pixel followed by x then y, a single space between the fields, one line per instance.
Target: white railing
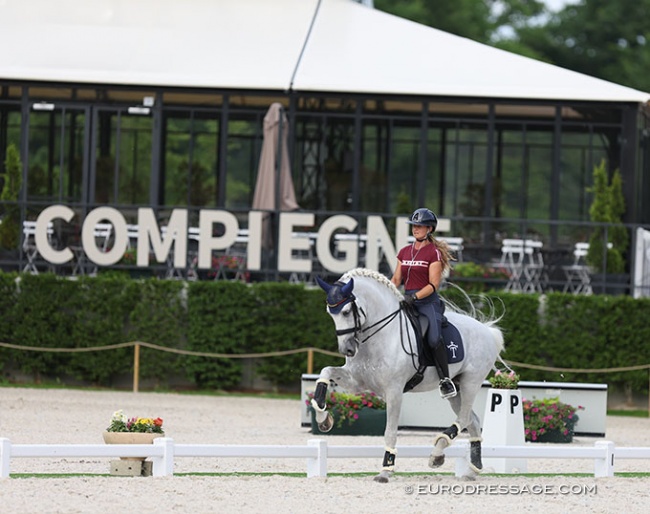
pixel 163 451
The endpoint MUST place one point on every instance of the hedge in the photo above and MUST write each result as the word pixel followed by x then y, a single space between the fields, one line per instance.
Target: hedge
pixel 554 330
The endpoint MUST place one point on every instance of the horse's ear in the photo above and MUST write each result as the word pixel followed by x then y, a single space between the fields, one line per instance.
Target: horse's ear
pixel 346 290
pixel 323 285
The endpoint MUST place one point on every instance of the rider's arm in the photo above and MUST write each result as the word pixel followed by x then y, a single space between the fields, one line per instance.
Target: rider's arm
pixel 397 274
pixel 435 274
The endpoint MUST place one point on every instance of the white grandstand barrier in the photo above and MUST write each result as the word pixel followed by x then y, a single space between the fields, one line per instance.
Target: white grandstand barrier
pixel 163 452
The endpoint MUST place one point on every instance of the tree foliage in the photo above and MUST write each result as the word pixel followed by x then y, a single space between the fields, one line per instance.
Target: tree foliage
pixel 12 180
pixel 608 207
pixel 480 20
pixel 601 38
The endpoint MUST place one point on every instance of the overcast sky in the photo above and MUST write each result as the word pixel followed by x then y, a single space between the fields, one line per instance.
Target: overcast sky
pixel 556 5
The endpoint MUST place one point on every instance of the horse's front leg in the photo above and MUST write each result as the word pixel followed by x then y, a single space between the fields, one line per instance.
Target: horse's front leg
pixel 341 377
pixel 393 409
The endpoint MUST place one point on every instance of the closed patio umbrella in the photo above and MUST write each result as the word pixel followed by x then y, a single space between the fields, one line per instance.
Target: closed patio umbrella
pixel 274 189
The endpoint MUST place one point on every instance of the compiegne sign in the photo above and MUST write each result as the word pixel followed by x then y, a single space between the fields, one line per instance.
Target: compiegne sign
pixel 175 237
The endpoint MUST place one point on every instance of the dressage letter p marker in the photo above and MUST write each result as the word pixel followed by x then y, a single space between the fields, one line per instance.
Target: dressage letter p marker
pixel 497 399
pixel 514 401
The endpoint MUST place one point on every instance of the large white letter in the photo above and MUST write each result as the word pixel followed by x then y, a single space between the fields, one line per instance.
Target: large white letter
pixel 349 247
pixel 121 239
pixel 150 233
pixel 402 233
pixel 254 251
pixel 207 242
pixel 40 237
pixel 379 239
pixel 286 262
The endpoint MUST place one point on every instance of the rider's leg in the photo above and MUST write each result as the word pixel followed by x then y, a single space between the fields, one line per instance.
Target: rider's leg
pixel 447 386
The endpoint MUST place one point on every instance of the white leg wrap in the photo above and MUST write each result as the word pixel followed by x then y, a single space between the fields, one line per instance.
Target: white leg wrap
pixel 446 437
pixel 442 436
pixel 314 405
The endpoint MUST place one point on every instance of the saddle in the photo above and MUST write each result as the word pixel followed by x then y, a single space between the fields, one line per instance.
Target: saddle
pixel 450 336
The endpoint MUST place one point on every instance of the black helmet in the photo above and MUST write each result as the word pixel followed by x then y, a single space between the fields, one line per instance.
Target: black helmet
pixel 424 217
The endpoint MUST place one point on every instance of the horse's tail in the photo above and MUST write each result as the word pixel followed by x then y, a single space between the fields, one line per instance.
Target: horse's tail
pixel 489 319
pixel 497 337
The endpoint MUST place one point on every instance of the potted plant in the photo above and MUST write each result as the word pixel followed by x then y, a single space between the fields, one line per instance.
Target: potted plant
pixel 123 430
pixel 607 244
pixel 478 278
pixel 223 267
pixel 10 219
pixel 549 420
pixel 354 414
pixel 501 380
pixel 130 261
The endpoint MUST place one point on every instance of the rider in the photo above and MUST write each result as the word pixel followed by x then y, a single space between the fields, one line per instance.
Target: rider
pixel 420 267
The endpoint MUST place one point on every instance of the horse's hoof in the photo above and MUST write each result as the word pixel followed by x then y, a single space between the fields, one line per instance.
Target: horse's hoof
pixel 382 479
pixel 470 475
pixel 326 425
pixel 436 461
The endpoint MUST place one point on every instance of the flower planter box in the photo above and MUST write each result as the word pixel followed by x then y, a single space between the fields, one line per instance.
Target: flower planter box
pixel 558 436
pixel 370 422
pixel 130 438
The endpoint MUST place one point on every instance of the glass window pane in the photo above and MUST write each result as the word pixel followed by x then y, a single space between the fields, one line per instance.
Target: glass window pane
pixel 123 167
pixel 56 146
pixel 190 176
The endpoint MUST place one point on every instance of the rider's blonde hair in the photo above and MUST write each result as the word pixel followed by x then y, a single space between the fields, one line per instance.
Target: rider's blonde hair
pixel 445 252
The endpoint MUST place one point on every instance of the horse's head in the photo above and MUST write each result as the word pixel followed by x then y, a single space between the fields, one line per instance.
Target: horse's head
pixel 341 304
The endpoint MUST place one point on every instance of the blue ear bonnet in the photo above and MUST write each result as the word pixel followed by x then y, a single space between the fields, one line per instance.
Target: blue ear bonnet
pixel 337 298
pixel 338 294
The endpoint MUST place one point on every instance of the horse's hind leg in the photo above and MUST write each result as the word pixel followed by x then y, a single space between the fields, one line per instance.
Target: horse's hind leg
pixel 437 457
pixel 475 439
pixel 445 439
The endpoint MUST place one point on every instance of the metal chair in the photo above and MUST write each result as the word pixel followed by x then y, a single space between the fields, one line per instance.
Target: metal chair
pixel 578 280
pixel 524 262
pixel 29 245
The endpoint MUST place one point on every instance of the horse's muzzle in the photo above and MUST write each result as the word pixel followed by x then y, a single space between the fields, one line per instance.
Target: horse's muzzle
pixel 348 348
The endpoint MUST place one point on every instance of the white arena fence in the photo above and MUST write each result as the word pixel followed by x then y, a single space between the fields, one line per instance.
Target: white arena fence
pixel 163 451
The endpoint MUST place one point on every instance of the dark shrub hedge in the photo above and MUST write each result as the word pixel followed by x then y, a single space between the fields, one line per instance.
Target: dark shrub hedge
pixel 554 330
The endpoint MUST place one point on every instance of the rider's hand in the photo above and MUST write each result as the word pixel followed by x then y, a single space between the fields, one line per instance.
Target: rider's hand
pixel 410 299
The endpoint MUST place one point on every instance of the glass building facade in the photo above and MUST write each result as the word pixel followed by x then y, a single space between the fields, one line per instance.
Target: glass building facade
pixel 494 168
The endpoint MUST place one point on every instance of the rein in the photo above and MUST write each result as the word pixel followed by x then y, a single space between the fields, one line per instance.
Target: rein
pixel 357 329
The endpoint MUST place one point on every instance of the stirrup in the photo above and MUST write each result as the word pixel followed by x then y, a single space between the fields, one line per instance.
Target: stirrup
pixel 447 388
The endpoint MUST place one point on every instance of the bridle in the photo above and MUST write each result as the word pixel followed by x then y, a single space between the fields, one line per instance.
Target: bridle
pixel 358 330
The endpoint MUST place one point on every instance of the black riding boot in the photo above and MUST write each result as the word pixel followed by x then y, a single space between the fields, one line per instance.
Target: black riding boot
pixel 447 387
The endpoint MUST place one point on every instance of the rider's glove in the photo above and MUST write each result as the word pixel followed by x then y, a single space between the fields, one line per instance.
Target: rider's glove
pixel 410 299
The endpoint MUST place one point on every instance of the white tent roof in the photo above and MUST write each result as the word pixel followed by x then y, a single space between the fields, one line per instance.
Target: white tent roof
pixel 258 44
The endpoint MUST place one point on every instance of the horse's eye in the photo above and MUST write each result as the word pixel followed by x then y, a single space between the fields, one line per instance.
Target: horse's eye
pixel 345 312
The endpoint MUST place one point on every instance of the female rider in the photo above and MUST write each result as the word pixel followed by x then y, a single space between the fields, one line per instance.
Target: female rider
pixel 420 267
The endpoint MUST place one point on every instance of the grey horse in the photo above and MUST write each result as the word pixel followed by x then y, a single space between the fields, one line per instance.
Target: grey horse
pixel 376 339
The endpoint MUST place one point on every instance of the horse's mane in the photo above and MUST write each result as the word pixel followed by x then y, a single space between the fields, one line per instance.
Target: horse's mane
pixel 375 275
